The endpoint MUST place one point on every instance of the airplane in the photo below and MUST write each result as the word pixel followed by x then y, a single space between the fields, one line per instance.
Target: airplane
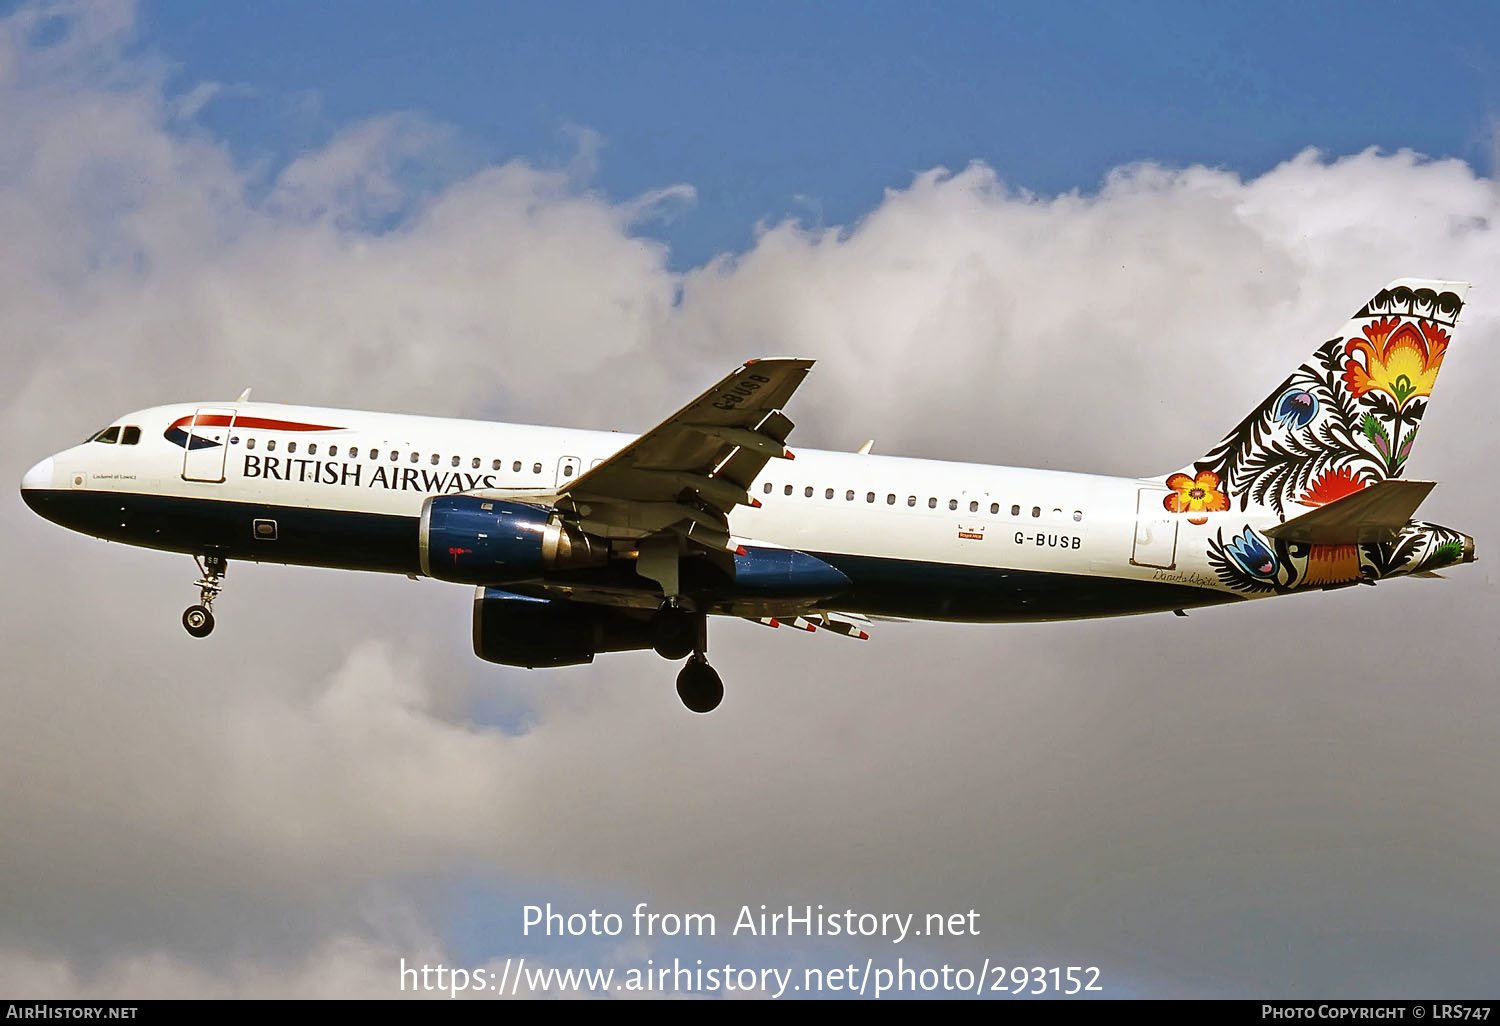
pixel 584 542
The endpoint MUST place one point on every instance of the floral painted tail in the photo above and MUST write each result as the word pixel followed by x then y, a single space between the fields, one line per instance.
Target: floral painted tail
pixel 1346 419
pixel 1304 492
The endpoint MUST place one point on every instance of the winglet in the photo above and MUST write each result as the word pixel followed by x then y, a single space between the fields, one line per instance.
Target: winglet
pixel 1372 514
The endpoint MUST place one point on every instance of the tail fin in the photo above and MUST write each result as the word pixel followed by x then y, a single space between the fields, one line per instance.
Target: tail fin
pixel 1346 419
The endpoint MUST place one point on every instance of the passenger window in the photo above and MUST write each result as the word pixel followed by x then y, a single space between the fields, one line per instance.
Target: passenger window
pixel 395 455
pixel 973 507
pixel 132 435
pixel 536 468
pixel 455 462
pixel 807 492
pixel 768 488
pixel 1036 511
pixel 931 503
pixel 890 500
pixel 828 494
pixel 953 504
pixel 270 445
pixel 475 464
pixel 415 457
pixel 1078 514
pixel 249 443
pixel 787 490
pixel 495 465
pixel 567 470
pixel 869 496
pixel 291 447
pixel 1057 514
pixel 911 500
pixel 435 458
pixel 1015 511
pixel 849 495
pixel 109 436
pixel 312 448
pixel 333 450
pixel 994 508
pixel 516 467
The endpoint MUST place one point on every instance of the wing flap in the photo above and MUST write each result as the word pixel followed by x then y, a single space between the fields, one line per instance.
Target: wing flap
pixel 847 625
pixel 699 460
pixel 1372 514
pixel 700 436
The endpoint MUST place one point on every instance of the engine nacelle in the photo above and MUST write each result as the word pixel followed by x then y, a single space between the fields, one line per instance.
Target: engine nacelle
pixel 468 539
pixel 517 630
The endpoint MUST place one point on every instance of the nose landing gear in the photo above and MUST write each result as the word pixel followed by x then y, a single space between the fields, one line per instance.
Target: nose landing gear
pixel 199 620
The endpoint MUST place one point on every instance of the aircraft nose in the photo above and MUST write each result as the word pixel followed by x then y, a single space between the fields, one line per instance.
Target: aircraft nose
pixel 38 477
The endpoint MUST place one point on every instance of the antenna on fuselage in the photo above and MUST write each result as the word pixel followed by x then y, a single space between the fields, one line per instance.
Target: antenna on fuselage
pixel 864 450
pixel 244 396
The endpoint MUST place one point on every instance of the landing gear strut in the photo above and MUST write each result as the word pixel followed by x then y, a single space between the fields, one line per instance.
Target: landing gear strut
pixel 199 620
pixel 678 632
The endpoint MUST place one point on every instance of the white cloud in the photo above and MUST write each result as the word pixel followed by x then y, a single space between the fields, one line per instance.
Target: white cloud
pixel 344 967
pixel 1189 802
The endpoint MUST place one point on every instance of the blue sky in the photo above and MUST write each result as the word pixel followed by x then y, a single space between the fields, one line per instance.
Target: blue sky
pixel 810 110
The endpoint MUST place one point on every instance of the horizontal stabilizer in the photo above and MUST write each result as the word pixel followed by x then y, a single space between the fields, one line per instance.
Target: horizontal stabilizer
pixel 1372 514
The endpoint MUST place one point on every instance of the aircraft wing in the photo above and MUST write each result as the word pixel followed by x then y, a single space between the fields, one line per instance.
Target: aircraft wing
pixel 693 468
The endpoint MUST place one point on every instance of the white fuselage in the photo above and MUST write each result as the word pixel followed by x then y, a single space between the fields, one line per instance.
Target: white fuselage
pixel 896 507
pixel 898 511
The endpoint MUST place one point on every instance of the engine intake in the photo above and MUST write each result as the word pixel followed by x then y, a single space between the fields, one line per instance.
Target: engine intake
pixel 468 539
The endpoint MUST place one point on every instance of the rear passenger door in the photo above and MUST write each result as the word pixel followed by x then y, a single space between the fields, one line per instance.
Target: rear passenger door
pixel 1155 531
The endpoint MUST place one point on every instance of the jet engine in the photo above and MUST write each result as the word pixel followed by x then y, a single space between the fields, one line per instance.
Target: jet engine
pixel 518 630
pixel 468 539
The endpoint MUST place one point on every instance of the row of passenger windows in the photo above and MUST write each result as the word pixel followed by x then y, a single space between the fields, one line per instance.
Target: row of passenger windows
pixel 130 435
pixel 353 452
pixel 911 500
pixel 127 435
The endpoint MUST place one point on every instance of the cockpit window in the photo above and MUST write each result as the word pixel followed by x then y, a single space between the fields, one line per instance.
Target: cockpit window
pixel 108 436
pixel 131 435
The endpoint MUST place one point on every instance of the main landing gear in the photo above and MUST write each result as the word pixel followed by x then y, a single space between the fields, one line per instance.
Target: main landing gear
pixel 699 686
pixel 199 620
pixel 677 632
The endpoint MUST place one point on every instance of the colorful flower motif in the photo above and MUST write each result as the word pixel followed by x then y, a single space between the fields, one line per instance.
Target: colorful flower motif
pixel 1296 408
pixel 1402 362
pixel 1331 485
pixel 1444 554
pixel 1253 555
pixel 1195 495
pixel 1331 564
